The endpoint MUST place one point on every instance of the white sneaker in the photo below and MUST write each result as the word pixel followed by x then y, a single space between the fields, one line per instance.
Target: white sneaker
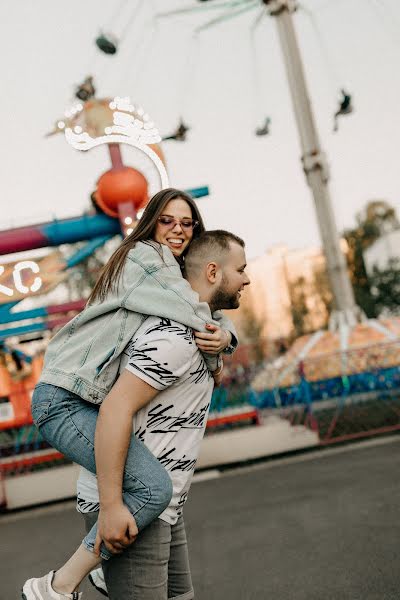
pixel 40 588
pixel 96 578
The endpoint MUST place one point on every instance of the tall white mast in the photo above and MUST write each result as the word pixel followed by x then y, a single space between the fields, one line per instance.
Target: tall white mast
pixel 314 164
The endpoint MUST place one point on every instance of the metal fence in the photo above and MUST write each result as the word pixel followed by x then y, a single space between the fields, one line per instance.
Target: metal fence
pixel 348 405
pixel 341 396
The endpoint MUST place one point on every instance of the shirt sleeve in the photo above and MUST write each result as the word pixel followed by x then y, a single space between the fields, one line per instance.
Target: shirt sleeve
pixel 162 354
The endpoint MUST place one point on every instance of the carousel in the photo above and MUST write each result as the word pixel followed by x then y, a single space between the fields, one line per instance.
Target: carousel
pixel 352 360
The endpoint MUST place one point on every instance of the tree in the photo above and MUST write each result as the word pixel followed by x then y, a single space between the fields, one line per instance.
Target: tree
pixel 376 219
pixel 323 289
pixel 311 301
pixel 251 326
pixel 385 287
pixel 298 291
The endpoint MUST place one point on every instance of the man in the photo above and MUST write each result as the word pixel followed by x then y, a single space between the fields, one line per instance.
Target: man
pixel 169 408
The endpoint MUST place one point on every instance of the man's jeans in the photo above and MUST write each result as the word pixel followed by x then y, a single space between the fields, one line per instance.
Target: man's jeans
pixel 154 567
pixel 68 424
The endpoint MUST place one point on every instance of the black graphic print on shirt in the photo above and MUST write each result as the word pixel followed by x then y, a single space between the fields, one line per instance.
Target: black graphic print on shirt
pixel 164 355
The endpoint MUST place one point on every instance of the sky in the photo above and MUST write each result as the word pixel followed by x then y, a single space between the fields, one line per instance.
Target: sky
pixel 224 89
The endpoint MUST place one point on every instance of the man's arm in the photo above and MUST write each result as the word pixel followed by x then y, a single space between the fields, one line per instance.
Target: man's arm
pixel 116 526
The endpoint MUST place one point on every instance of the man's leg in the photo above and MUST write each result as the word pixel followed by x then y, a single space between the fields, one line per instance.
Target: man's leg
pixel 141 571
pixel 179 578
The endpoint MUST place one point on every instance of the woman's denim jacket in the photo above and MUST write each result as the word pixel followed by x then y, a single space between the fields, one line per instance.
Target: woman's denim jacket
pixel 84 356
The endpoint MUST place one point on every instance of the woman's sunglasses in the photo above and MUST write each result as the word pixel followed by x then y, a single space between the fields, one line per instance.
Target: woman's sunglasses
pixel 170 222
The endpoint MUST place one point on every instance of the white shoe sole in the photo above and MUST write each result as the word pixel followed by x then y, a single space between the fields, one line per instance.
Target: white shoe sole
pixel 28 593
pixel 98 588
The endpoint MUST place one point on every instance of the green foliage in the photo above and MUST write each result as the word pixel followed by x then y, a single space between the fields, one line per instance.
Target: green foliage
pixel 252 326
pixel 311 302
pixel 376 219
pixel 323 289
pixel 385 287
pixel 299 290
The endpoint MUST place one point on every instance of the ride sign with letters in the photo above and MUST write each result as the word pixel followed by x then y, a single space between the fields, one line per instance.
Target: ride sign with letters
pixel 24 278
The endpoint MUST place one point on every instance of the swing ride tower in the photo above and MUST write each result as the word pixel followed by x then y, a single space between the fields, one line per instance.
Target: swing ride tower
pixel 346 313
pixel 315 165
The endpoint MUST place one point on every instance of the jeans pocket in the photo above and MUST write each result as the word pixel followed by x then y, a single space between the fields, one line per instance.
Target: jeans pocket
pixel 42 399
pixel 40 411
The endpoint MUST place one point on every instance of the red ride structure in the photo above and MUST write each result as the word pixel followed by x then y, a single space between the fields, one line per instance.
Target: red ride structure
pixel 27 475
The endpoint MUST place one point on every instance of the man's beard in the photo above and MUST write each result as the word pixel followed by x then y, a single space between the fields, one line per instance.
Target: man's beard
pixel 224 299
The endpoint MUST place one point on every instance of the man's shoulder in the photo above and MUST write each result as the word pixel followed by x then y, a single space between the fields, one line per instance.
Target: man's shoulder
pixel 162 350
pixel 162 327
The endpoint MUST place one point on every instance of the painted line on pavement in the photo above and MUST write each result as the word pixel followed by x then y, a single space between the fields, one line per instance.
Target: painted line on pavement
pixel 271 463
pixel 206 475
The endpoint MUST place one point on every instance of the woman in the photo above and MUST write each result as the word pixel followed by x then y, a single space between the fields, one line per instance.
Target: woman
pixel 82 364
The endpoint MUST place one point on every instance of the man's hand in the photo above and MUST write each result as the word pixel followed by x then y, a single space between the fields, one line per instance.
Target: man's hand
pixel 213 342
pixel 116 528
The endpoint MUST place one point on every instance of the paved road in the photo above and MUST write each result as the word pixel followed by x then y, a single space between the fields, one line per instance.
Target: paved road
pixel 305 528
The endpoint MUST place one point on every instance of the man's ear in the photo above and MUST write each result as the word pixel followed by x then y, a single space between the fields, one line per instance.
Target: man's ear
pixel 212 272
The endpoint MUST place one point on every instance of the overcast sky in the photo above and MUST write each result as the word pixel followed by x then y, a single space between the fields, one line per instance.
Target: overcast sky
pixel 258 188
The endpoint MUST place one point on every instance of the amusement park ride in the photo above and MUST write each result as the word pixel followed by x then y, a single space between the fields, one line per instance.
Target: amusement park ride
pixel 121 194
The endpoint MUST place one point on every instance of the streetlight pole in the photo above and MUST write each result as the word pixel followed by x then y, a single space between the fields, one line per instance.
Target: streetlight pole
pixel 315 165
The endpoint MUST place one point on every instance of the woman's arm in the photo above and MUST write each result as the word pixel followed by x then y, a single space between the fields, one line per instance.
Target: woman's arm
pixel 151 278
pixel 155 286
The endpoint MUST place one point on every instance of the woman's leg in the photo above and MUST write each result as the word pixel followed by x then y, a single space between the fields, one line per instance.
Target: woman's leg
pixel 68 424
pixel 70 575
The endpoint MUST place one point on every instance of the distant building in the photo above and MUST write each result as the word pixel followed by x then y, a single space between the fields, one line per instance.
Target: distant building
pixel 269 297
pixel 386 247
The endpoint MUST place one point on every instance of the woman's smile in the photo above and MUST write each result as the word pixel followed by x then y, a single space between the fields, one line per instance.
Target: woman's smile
pixel 171 229
pixel 175 242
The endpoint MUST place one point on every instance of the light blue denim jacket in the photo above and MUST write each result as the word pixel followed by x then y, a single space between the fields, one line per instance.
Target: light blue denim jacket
pixel 84 356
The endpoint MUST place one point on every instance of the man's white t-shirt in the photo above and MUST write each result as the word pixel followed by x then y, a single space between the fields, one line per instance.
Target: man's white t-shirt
pixel 164 354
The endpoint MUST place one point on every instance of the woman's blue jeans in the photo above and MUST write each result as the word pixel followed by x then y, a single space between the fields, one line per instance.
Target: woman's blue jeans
pixel 68 424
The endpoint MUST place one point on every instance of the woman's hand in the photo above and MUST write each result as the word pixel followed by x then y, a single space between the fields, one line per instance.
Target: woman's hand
pixel 213 342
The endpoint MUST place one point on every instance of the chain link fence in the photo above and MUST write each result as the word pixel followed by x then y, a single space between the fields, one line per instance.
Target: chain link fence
pixel 340 396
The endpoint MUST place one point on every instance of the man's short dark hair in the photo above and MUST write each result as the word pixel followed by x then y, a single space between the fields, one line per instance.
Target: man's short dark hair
pixel 209 246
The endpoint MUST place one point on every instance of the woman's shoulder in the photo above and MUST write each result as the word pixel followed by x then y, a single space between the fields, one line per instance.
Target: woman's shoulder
pixel 150 252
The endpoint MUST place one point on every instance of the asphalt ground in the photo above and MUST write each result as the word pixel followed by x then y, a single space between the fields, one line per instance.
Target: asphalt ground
pixel 319 526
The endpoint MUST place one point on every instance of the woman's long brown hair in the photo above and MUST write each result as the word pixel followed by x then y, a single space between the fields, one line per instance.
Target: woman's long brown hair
pixel 110 274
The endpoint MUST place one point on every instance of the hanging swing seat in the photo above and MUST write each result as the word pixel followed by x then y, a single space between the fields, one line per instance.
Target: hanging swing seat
pixel 85 90
pixel 264 129
pixel 107 43
pixel 345 108
pixel 179 135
